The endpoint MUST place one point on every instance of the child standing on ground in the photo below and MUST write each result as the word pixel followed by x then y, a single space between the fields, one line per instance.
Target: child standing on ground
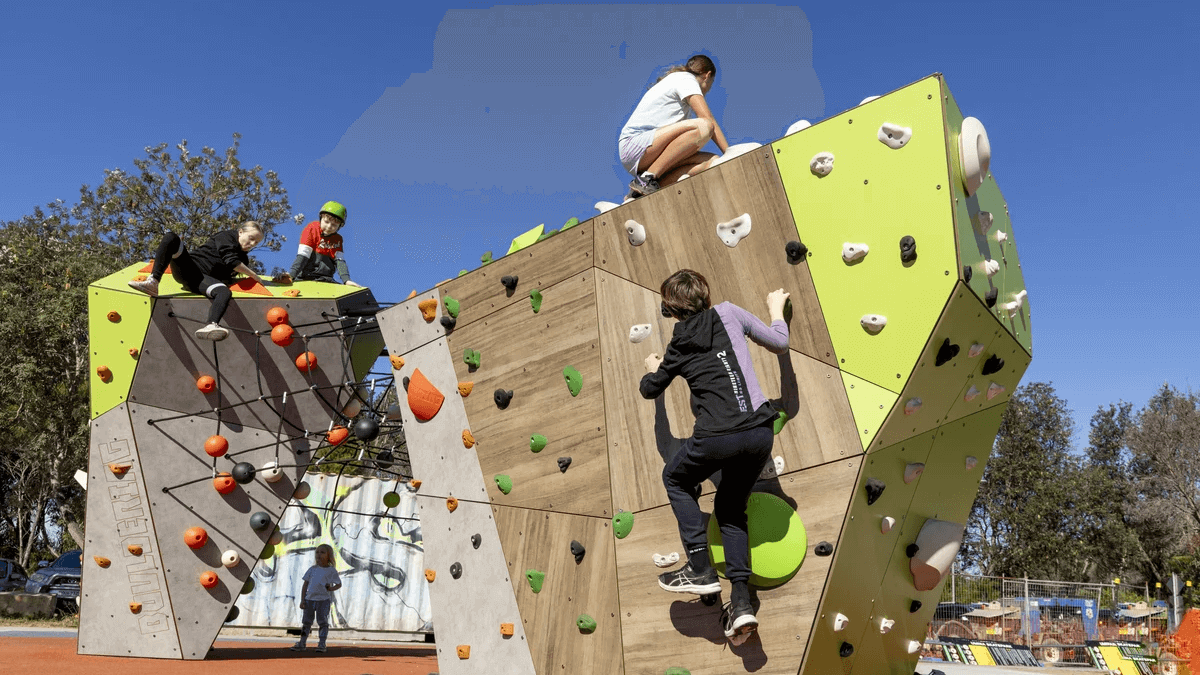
pixel 733 432
pixel 206 271
pixel 320 253
pixel 320 581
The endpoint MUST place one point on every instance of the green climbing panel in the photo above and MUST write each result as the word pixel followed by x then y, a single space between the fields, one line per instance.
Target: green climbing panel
pixel 870 404
pixel 168 287
pixel 110 342
pixel 1016 361
pixel 777 541
pixel 975 246
pixel 876 195
pixel 526 239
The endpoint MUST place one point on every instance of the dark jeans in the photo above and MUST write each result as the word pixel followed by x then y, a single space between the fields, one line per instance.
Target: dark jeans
pixel 319 608
pixel 190 276
pixel 740 458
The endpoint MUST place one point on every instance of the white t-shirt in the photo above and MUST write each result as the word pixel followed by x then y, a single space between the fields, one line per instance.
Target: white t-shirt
pixel 665 103
pixel 317 577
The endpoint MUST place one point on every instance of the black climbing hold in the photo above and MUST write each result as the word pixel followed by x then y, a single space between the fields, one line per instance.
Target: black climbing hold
pixel 845 650
pixel 385 459
pixel 823 549
pixel 509 281
pixel 875 488
pixel 243 472
pixel 946 352
pixel 994 364
pixel 233 614
pixel 796 252
pixel 456 570
pixel 710 599
pixel 916 605
pixel 911 550
pixel 577 550
pixel 502 398
pixel 908 249
pixel 260 521
pixel 405 382
pixel 990 298
pixel 448 322
pixel 476 540
pixel 967 272
pixel 563 463
pixel 366 429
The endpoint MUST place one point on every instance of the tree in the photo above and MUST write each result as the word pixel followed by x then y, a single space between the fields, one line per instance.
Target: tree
pixel 1108 488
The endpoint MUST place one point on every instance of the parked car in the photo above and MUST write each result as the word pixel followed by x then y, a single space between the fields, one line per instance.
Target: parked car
pixel 12 576
pixel 60 579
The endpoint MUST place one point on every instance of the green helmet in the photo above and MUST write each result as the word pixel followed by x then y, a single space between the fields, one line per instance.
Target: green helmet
pixel 334 209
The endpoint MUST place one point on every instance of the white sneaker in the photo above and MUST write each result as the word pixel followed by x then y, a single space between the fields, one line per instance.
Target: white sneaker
pixel 212 332
pixel 149 286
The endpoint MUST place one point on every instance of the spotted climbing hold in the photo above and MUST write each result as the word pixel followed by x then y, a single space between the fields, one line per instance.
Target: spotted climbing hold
pixel 397 361
pixel 563 463
pixel 277 316
pixel 463 651
pixel 428 308
pixel 243 472
pixel 195 537
pixel 535 579
pixel 471 357
pixel 102 561
pixel 622 524
pixel 502 398
pixel 451 306
pixel 875 488
pixel 537 443
pixel 114 317
pixel 451 504
pixel 216 446
pixel 135 607
pixel 504 483
pixel 796 252
pixel 104 373
pixel 468 438
pixel 945 353
pixel 119 469
pixel 430 575
pixel 134 549
pixel 506 629
pixel 585 623
pixel 464 388
pixel 206 384
pixel 823 549
pixel 476 540
pixel 578 551
pixel 574 380
pixel 133 352
pixel 306 362
pixel 224 483
pixel 424 399
pixel 283 335
pixel 509 282
pixel 535 299
pixel 456 570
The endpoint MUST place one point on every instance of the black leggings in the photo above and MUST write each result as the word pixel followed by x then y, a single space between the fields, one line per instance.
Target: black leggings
pixel 190 276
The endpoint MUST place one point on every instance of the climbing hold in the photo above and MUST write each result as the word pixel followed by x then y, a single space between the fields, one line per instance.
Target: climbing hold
pixel 448 322
pixel 455 570
pixel 971 462
pixel 133 352
pixel 230 558
pixel 934 551
pixel 975 154
pixel 913 471
pixel 216 446
pixel 135 607
pixel 506 629
pixel 195 537
pixel 260 521
pixel 224 483
pixel 840 622
pixel 983 222
pixel 535 299
pixel 397 361
pixel 886 524
pixel 243 472
pixel 468 438
pixel 571 222
pixel 967 273
pixel 430 575
pixel 464 388
pixel 277 316
pixel 914 606
pixel 972 392
pixel 823 548
pixel 415 483
pixel 873 323
pixel 206 384
pixel 306 362
pixel 463 271
pixel 119 470
pixel 994 390
pixel 292 293
pixel 114 317
pixel 563 463
pixel 337 435
pixel 913 646
pixel 391 499
pixel 578 551
pixel 885 625
pixel 366 429
pixel 476 540
pixel 451 306
pixel 428 308
pixel 867 100
pixel 134 549
pixel 622 524
pixel 1001 236
pixel 535 579
pixel 385 459
pixel 503 483
pixel 875 488
pixel 845 650
pixel 404 383
pixel 1014 308
pixel 854 252
pixel 463 651
pixel 946 352
pixel 991 267
pixel 102 561
pixel 912 405
pixel 675 670
pixel 233 614
pixel 821 164
pixel 537 443
pixel 585 623
pixel 666 560
pixel 893 135
pixel 451 504
pixel 509 281
pixel 908 250
pixel 485 258
pixel 781 420
pixel 282 335
pixel 502 398
pixel 911 550
pixel 732 231
pixel 771 469
pixel 424 399
pixel 798 125
pixel 639 332
pixel 574 380
pixel 994 364
pixel 471 357
pixel 276 537
pixel 990 298
pixel 104 373
pixel 796 252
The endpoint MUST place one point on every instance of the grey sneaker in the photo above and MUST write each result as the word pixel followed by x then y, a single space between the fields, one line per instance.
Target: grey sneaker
pixel 298 647
pixel 687 580
pixel 212 332
pixel 738 621
pixel 149 286
pixel 321 648
pixel 643 185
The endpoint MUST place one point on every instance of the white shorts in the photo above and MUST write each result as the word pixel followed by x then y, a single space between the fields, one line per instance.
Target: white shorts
pixel 631 148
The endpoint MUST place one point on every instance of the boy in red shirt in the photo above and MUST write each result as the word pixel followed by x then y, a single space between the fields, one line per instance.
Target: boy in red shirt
pixel 320 251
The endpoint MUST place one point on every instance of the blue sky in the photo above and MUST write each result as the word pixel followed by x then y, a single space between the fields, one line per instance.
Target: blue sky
pixel 449 129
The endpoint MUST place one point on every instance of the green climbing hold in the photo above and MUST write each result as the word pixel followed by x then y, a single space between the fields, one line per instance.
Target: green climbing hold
pixel 585 623
pixel 462 272
pixel 486 258
pixel 504 482
pixel 780 421
pixel 391 500
pixel 535 579
pixel 248 587
pixel 268 552
pixel 574 380
pixel 451 306
pixel 571 222
pixel 535 298
pixel 537 443
pixel 547 235
pixel 471 357
pixel 676 670
pixel 622 524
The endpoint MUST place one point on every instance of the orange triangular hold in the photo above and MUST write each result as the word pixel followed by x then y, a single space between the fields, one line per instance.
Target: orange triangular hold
pixel 412 295
pixel 424 399
pixel 249 285
pixel 119 469
pixel 428 308
pixel 150 268
pixel 464 388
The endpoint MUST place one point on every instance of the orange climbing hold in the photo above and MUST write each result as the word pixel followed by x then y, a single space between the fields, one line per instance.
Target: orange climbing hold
pixel 337 435
pixel 208 579
pixel 119 469
pixel 430 575
pixel 306 362
pixel 102 561
pixel 464 651
pixel 282 334
pixel 428 308
pixel 224 483
pixel 114 316
pixel 134 549
pixel 424 399
pixel 133 352
pixel 451 504
pixel 415 483
pixel 206 384
pixel 104 373
pixel 412 295
pixel 195 537
pixel 464 388
pixel 292 292
pixel 135 607
pixel 506 629
pixel 277 316
pixel 397 362
pixel 216 446
pixel 468 438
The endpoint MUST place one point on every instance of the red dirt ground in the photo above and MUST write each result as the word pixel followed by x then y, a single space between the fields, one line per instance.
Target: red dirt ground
pixel 53 655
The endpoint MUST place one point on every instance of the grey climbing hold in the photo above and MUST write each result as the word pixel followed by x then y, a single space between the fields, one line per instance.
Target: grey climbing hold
pixel 563 463
pixel 405 382
pixel 243 472
pixel 990 298
pixel 502 398
pixel 911 550
pixel 915 606
pixel 994 364
pixel 476 540
pixel 908 250
pixel 796 252
pixel 456 570
pixel 875 488
pixel 823 549
pixel 509 281
pixel 448 322
pixel 233 614
pixel 946 352
pixel 366 429
pixel 967 272
pixel 845 650
pixel 577 550
pixel 260 521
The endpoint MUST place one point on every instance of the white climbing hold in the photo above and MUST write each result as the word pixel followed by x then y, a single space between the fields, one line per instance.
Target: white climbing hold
pixel 271 472
pixel 839 622
pixel 873 323
pixel 772 469
pixel 937 545
pixel 974 153
pixel 894 136
pixel 393 412
pixel 666 560
pixel 887 524
pixel 885 625
pixel 821 164
pixel 971 394
pixel 230 558
pixel 352 407
pixel 852 252
pixel 1001 236
pixel 799 125
pixel 994 390
pixel 983 222
pixel 732 231
pixel 602 207
pixel 913 646
pixel 867 99
pixel 686 175
pixel 913 471
pixel 991 267
pixel 912 406
pixel 1014 308
pixel 639 332
pixel 971 462
pixel 779 465
pixel 975 350
pixel 735 151
pixel 636 232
